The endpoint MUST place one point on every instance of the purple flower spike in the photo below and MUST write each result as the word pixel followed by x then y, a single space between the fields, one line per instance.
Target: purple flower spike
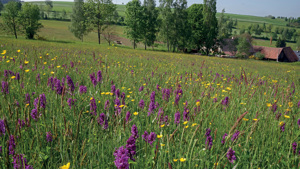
pixel 127 117
pixel 131 147
pixel 151 138
pixel 121 158
pixel 20 162
pixel 82 89
pixel 71 102
pixel 141 88
pixel 145 136
pixel 177 118
pixel 11 145
pixel 294 146
pixel 231 155
pixel 235 136
pixel 5 88
pixel 2 128
pixel 142 104
pixel 49 136
pixel 70 83
pixel 99 76
pixel 93 107
pixel 223 138
pixel 134 131
pixel 101 119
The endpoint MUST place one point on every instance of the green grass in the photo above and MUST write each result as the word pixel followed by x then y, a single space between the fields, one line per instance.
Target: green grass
pixel 78 138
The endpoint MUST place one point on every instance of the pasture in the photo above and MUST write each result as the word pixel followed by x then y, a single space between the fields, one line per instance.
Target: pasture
pixel 77 103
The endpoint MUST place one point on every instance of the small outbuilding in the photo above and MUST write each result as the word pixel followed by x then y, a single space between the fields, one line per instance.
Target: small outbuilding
pixel 285 54
pixel 297 54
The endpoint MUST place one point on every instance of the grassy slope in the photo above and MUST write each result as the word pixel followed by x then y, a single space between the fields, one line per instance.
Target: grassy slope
pixel 54 30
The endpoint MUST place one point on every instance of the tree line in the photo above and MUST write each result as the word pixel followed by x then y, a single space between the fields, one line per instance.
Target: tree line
pixel 181 28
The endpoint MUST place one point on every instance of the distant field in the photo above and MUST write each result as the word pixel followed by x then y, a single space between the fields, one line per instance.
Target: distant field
pixel 58 30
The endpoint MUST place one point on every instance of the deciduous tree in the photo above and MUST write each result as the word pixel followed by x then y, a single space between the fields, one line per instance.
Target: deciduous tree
pixel 97 12
pixel 210 24
pixel 79 25
pixel 29 20
pixel 133 21
pixel 10 17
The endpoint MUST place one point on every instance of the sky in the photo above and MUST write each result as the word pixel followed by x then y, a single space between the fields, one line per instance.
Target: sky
pixel 287 8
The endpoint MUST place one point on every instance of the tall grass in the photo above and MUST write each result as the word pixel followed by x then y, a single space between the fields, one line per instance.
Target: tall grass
pixel 199 84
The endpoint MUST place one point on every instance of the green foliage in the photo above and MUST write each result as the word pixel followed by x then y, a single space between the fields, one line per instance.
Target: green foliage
pixel 195 20
pixel 149 22
pixel 274 36
pixel 244 46
pixel 134 21
pixel 298 44
pixel 79 21
pixel 98 13
pixel 225 26
pixel 49 3
pixel 1 7
pixel 280 43
pixel 166 16
pixel 10 17
pixel 210 24
pixel 259 55
pixel 29 20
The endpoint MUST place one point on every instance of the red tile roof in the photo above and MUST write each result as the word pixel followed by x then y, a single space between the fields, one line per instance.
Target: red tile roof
pixel 273 53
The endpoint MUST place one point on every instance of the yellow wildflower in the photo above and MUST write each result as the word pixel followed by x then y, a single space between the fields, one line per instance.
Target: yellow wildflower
pixel 52 72
pixel 159 136
pixel 107 93
pixel 135 113
pixel 67 166
pixel 286 116
pixel 4 52
pixel 175 160
pixel 163 125
pixel 197 103
pixel 45 63
pixel 194 124
pixel 13 77
pixel 8 61
pixel 162 145
pixel 121 106
pixel 26 62
pixel 182 159
pixel 245 119
pixel 27 70
pixel 281 123
pixel 269 104
pixel 255 119
pixel 185 122
pixel 291 104
pixel 186 127
pixel 19 51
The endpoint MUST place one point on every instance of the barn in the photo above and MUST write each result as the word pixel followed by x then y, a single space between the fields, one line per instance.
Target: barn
pixel 285 54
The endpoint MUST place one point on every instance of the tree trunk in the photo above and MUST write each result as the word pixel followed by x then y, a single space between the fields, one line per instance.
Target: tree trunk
pixel 98 33
pixel 15 31
pixel 133 44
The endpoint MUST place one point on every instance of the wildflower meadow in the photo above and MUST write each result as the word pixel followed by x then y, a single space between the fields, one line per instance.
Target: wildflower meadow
pixel 88 106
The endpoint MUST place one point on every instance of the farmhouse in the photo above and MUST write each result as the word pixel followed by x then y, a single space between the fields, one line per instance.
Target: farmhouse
pixel 285 54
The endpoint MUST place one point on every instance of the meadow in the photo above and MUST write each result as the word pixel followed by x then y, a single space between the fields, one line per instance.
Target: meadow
pixel 77 105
